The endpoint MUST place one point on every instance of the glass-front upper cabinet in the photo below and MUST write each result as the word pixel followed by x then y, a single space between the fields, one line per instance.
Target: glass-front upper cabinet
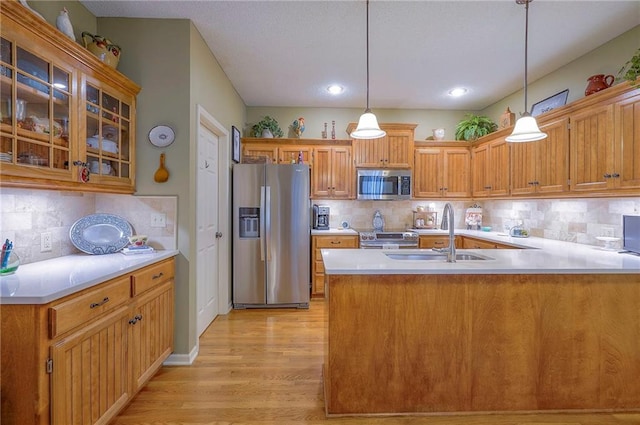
pixel 35 108
pixel 108 132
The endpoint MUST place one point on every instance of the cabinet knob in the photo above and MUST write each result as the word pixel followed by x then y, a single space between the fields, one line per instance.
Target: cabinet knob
pixel 607 176
pixel 615 175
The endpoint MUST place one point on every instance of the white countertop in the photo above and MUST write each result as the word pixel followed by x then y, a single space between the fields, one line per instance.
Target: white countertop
pixel 333 231
pixel 540 256
pixel 45 281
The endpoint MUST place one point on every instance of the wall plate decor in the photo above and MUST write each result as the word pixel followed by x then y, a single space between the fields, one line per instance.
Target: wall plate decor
pixel 161 136
pixel 552 102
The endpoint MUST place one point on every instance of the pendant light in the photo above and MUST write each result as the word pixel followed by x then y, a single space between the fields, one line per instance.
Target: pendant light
pixel 526 128
pixel 368 127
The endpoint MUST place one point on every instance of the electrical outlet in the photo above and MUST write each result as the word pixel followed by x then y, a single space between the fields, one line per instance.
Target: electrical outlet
pixel 158 220
pixel 45 242
pixel 608 232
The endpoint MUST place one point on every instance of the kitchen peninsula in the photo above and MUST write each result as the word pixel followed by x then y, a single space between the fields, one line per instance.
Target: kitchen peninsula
pixel 549 329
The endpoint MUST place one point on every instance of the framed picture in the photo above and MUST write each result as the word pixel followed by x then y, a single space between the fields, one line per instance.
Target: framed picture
pixel 235 139
pixel 553 102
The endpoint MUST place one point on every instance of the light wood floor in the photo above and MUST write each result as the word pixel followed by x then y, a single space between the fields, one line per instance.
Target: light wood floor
pixel 264 367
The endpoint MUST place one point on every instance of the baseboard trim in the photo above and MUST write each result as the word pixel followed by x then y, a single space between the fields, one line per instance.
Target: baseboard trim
pixel 182 359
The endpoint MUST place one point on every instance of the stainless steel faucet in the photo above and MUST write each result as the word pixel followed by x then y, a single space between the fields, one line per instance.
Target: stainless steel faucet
pixel 448 223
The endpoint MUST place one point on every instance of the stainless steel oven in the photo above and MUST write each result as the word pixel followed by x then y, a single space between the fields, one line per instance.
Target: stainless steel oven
pixel 391 239
pixel 382 184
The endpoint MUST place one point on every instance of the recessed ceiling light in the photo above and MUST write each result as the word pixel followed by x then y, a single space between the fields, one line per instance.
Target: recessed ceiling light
pixel 458 91
pixel 335 89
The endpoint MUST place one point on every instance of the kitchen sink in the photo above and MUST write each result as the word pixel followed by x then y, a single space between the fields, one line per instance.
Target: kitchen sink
pixel 435 256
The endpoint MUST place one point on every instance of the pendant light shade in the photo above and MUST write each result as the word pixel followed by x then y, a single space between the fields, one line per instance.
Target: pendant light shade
pixel 368 127
pixel 526 128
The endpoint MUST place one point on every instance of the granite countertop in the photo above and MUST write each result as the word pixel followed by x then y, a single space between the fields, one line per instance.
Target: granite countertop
pixel 45 281
pixel 538 256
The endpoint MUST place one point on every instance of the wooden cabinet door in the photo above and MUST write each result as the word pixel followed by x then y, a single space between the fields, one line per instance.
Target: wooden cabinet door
pixel 626 168
pixel 370 153
pixel 524 167
pixel 480 183
pixel 89 381
pixel 456 171
pixel 591 147
pixel 399 149
pixel 427 173
pixel 342 172
pixel 268 151
pixel 150 333
pixel 552 159
pixel 321 175
pixel 499 167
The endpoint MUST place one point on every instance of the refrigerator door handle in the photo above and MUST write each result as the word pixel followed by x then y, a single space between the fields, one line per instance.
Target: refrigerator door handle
pixel 262 222
pixel 267 219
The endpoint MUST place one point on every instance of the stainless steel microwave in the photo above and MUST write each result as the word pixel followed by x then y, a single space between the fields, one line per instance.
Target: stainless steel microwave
pixel 384 184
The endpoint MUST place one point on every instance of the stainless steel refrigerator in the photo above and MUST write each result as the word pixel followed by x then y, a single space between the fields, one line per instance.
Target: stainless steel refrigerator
pixel 271 231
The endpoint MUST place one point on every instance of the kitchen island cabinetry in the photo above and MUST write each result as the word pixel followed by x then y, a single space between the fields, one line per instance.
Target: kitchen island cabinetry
pixel 62 110
pixel 81 358
pixel 317 266
pixel 542 168
pixel 441 172
pixel 394 150
pixel 491 168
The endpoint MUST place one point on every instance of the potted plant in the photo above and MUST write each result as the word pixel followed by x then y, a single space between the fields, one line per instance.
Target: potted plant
pixel 267 127
pixel 474 126
pixel 630 71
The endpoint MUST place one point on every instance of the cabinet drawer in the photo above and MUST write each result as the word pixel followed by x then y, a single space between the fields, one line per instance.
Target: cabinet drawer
pixel 151 276
pixel 337 242
pixel 82 309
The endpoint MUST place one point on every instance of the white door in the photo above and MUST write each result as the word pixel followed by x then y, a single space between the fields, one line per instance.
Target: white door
pixel 207 235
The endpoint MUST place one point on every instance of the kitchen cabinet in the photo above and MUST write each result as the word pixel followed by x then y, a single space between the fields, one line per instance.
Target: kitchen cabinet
pixel 268 151
pixel 469 242
pixel 491 168
pixel 436 241
pixel 332 174
pixel 591 142
pixel 441 172
pixel 626 161
pixel 81 359
pixel 394 150
pixel 317 266
pixel 59 105
pixel 542 167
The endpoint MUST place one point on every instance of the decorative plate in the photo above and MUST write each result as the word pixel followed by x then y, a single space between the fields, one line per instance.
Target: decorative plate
pixel 100 233
pixel 161 136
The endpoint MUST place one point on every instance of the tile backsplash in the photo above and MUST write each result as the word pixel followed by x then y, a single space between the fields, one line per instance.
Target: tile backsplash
pixel 574 220
pixel 25 214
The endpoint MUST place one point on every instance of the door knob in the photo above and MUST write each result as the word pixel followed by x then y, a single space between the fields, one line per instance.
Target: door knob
pixel 218 235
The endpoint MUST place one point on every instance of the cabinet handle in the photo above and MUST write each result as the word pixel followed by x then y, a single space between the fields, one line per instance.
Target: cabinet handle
pixel 615 175
pixel 530 183
pixel 607 176
pixel 438 243
pixel 335 242
pixel 136 319
pixel 536 182
pixel 487 187
pixel 157 276
pixel 103 302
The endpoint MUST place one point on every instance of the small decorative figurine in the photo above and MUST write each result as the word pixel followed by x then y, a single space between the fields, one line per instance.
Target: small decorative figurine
pixel 507 119
pixel 298 126
pixel 333 129
pixel 324 132
pixel 63 23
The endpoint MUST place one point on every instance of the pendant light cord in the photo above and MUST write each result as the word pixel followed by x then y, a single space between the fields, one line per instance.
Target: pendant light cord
pixel 526 48
pixel 367 110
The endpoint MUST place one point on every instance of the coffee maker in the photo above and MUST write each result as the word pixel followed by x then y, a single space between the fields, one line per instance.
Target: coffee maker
pixel 320 217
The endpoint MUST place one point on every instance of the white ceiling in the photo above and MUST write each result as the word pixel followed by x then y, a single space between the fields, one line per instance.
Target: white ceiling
pixel 285 53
